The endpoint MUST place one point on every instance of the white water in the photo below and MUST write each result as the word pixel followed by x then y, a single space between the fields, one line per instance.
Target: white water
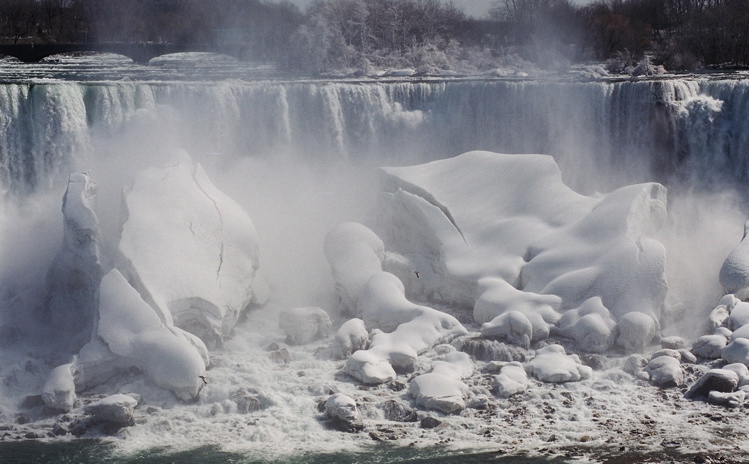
pixel 299 157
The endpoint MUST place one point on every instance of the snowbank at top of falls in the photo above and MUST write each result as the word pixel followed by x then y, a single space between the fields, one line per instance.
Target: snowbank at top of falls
pixel 189 250
pixel 511 218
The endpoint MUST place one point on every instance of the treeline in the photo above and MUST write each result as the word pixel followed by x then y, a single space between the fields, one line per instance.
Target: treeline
pixel 264 27
pixel 427 34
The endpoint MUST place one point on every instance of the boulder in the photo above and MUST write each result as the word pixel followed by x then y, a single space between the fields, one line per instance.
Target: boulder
pixel 115 409
pixel 343 413
pixel 709 346
pixel 58 392
pixel 636 331
pixel 719 380
pixel 553 365
pixel 665 371
pixel 304 325
pixel 737 351
pixel 511 380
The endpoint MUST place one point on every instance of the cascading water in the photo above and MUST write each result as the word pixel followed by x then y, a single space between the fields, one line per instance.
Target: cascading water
pixel 618 131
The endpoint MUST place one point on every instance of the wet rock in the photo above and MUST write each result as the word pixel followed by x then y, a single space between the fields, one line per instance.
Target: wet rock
pixel 32 401
pixel 430 422
pixel 246 401
pixel 398 412
pixel 492 350
pixel 594 361
pixel 59 430
pixel 719 380
pixel 115 410
pixel 281 356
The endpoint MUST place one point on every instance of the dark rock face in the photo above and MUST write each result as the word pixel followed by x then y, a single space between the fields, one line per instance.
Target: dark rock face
pixel 398 412
pixel 430 422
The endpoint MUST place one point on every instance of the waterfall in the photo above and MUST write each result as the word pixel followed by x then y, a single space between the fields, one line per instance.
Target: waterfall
pixel 603 134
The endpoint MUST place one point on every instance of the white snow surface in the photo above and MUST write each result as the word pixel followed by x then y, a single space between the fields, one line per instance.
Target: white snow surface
pixel 189 249
pixel 132 330
pixel 510 217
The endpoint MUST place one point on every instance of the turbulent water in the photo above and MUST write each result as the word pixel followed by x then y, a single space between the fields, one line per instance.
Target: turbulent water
pixel 298 155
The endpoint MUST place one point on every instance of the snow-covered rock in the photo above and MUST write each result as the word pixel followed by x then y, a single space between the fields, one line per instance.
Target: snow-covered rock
pixel 709 346
pixel 355 254
pixel 115 409
pixel 511 218
pixel 439 392
pixel 731 400
pixel 129 333
pixel 511 380
pixel 304 325
pixel 737 351
pixel 739 316
pixel 553 365
pixel 417 329
pixel 343 413
pixel 636 331
pixel 350 337
pixel 512 327
pixel 665 371
pixel 590 325
pixel 59 390
pixel 74 276
pixel 720 380
pixel 189 250
pixel 734 274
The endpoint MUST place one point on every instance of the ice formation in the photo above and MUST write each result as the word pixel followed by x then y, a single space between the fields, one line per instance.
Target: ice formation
pixel 734 274
pixel 190 250
pixel 502 234
pixel 73 278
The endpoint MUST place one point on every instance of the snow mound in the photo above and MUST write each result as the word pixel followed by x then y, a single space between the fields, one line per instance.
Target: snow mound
pixel 130 334
pixel 189 249
pixel 511 380
pixel 590 326
pixel 734 274
pixel 355 253
pixel 553 365
pixel 350 337
pixel 443 389
pixel 415 329
pixel 510 217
